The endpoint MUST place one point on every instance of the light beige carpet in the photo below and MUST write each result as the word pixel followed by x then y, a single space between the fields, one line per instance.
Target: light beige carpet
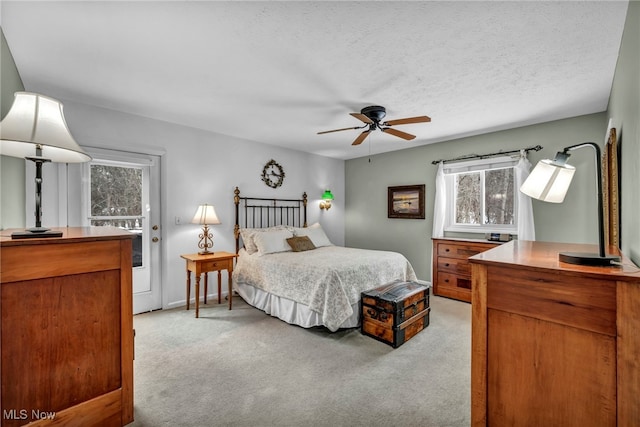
pixel 245 368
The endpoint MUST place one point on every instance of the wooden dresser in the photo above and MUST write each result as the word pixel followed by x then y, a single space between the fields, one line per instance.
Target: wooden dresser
pixel 451 269
pixel 553 344
pixel 67 328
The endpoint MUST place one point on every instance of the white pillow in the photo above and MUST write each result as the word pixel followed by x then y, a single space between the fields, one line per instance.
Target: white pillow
pixel 316 234
pixel 299 231
pixel 248 235
pixel 247 239
pixel 269 242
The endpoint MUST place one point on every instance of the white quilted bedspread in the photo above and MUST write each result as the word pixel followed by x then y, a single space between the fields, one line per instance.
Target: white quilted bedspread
pixel 327 279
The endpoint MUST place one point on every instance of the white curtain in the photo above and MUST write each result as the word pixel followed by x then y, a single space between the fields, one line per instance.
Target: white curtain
pixel 526 227
pixel 440 203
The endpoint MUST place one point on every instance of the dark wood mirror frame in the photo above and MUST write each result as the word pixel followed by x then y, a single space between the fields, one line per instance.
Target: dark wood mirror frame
pixel 611 187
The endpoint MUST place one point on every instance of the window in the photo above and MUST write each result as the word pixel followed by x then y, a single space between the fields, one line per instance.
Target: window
pixel 481 196
pixel 116 199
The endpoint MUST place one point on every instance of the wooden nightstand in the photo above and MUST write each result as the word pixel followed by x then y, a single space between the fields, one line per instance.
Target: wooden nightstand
pixel 199 264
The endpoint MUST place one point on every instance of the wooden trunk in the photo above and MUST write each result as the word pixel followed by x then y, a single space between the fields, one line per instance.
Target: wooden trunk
pixel 67 329
pixel 395 312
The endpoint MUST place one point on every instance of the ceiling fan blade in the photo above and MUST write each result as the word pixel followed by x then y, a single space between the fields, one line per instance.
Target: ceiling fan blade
pixel 361 137
pixel 362 118
pixel 408 120
pixel 339 130
pixel 398 133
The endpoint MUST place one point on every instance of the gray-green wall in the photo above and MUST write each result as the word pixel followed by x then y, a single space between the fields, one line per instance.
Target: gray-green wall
pixel 574 220
pixel 367 225
pixel 12 198
pixel 624 107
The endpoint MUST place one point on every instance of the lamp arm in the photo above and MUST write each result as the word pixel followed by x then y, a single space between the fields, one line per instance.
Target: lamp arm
pixel 596 147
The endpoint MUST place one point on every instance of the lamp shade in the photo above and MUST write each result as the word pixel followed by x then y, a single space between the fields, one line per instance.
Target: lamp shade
pixel 206 214
pixel 327 195
pixel 548 181
pixel 37 120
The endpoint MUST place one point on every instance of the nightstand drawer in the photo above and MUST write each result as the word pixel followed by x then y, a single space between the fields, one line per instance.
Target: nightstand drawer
pixel 214 265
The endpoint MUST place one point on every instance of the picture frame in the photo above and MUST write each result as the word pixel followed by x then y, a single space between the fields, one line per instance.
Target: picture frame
pixel 406 201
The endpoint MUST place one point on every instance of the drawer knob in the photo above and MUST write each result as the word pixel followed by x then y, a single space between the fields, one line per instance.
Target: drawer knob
pixel 446 250
pixel 446 264
pixel 446 280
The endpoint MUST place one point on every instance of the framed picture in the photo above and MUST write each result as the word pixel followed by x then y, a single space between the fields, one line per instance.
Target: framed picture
pixel 406 201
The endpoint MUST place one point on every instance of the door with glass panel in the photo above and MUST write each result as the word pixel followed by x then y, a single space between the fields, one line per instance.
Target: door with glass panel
pixel 126 194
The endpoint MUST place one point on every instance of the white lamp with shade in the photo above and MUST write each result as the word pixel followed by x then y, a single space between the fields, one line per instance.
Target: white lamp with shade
pixel 549 182
pixel 205 216
pixel 35 129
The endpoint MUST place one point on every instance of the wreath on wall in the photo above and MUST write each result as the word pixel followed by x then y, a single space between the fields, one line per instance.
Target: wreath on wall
pixel 273 174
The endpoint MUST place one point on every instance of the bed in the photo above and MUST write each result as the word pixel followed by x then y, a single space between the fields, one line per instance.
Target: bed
pixel 293 272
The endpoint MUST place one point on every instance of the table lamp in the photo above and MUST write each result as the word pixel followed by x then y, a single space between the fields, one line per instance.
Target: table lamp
pixel 549 182
pixel 35 129
pixel 205 216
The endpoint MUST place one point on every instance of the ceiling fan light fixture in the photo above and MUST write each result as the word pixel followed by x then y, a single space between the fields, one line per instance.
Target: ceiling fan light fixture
pixel 374 112
pixel 372 116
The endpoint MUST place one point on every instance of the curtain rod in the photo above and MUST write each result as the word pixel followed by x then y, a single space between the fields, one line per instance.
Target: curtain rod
pixel 484 156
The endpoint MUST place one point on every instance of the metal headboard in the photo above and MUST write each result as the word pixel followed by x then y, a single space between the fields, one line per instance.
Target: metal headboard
pixel 259 212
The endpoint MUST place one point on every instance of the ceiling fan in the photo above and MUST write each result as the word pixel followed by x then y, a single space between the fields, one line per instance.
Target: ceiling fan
pixel 371 117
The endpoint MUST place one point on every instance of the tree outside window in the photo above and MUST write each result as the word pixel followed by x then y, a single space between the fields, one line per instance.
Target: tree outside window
pixel 116 200
pixel 485 197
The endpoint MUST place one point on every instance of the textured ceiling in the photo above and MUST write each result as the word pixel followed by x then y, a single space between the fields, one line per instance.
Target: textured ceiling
pixel 278 72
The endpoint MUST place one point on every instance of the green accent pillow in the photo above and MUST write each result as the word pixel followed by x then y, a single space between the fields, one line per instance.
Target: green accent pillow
pixel 300 243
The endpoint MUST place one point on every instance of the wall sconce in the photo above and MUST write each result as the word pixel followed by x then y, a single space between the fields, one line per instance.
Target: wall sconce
pixel 35 129
pixel 327 197
pixel 205 216
pixel 549 182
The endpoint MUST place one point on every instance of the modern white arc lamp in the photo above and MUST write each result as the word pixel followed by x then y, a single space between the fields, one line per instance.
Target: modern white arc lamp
pixel 549 182
pixel 35 129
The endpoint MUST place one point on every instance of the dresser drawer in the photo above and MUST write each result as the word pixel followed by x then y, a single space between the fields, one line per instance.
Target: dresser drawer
pixel 454 265
pixel 458 250
pixel 449 280
pixel 586 303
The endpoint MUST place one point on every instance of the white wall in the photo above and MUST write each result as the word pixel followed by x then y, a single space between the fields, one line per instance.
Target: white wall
pixel 197 167
pixel 12 200
pixel 624 108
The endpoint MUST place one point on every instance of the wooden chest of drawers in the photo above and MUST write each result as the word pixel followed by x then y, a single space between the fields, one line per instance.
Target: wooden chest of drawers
pixel 553 344
pixel 451 269
pixel 66 330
